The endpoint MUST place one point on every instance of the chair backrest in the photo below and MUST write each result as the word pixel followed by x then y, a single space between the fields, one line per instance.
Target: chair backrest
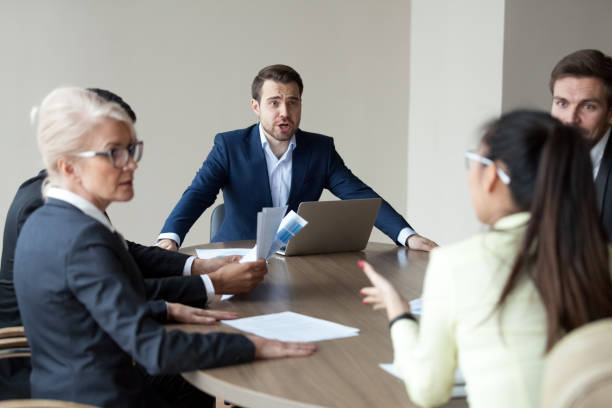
pixel 14 331
pixel 13 342
pixel 39 403
pixel 578 371
pixel 216 218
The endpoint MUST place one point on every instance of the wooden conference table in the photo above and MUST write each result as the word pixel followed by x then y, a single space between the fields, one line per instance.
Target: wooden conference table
pixel 343 372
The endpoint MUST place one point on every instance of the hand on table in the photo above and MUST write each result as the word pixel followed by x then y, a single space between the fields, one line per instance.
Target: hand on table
pixel 238 277
pixel 168 244
pixel 193 315
pixel 204 266
pixel 268 348
pixel 415 241
pixel 382 295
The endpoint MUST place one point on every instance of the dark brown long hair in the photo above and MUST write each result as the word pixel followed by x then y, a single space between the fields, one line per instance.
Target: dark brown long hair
pixel 564 250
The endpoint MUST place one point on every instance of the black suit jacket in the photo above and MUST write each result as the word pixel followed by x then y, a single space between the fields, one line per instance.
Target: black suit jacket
pixel 27 199
pixel 603 187
pixel 83 304
pixel 153 261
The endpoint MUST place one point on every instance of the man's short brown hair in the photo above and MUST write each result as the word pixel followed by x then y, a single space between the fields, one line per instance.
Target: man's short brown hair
pixel 277 73
pixel 585 63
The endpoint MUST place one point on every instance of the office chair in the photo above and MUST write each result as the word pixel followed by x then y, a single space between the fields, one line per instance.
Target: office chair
pixel 578 372
pixel 13 342
pixel 216 219
pixel 14 363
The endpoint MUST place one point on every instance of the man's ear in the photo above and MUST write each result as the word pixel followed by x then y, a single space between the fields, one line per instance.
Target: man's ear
pixel 610 115
pixel 255 106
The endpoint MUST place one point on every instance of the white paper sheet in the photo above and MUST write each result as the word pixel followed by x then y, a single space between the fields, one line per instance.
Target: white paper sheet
pixel 458 388
pixel 273 232
pixel 268 221
pixel 216 253
pixel 290 326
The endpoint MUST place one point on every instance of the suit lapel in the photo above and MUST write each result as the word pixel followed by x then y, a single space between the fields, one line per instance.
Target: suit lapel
pixel 299 166
pixel 601 181
pixel 259 166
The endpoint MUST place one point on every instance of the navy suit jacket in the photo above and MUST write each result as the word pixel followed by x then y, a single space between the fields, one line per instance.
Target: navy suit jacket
pixel 83 304
pixel 603 187
pixel 153 261
pixel 237 165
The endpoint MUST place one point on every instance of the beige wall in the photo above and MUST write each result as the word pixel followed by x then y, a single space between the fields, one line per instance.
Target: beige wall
pixel 455 85
pixel 470 61
pixel 538 34
pixel 186 68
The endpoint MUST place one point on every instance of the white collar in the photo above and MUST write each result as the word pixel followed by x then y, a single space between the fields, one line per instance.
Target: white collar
pixel 597 151
pixel 264 140
pixel 80 203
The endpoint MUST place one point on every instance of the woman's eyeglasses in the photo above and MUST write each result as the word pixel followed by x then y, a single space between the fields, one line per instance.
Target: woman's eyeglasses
pixel 119 156
pixel 475 157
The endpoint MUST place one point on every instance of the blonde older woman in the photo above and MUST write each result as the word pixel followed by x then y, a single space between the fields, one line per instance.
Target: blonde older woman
pixel 81 296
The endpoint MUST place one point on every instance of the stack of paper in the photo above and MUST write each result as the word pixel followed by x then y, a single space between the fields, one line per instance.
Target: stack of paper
pixel 273 232
pixel 290 326
pixel 458 388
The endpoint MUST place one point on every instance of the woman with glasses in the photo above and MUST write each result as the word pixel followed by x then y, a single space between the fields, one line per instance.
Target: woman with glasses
pixel 496 303
pixel 80 293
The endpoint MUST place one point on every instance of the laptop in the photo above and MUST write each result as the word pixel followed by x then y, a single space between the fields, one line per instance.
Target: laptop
pixel 334 226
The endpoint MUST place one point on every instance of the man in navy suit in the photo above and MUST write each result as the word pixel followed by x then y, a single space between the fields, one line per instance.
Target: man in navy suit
pixel 581 87
pixel 273 163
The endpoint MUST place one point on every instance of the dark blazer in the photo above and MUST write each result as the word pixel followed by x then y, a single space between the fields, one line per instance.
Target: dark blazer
pixel 27 199
pixel 237 165
pixel 153 261
pixel 603 187
pixel 83 305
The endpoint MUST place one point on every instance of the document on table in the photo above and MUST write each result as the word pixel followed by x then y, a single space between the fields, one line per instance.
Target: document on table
pixel 273 232
pixel 290 326
pixel 458 388
pixel 216 253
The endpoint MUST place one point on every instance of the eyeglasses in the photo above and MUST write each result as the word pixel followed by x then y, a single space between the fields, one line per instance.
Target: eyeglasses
pixel 471 156
pixel 119 156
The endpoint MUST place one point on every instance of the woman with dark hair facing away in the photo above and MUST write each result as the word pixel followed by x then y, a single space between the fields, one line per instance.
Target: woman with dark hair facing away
pixel 496 303
pixel 93 335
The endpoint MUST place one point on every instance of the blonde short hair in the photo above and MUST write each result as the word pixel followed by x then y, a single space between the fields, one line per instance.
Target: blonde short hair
pixel 65 117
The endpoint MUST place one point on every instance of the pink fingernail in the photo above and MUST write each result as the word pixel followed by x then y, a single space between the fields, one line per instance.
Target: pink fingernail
pixel 361 264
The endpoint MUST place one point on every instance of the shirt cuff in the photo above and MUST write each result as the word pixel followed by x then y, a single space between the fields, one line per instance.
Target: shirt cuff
pixel 210 289
pixel 402 236
pixel 172 236
pixel 188 264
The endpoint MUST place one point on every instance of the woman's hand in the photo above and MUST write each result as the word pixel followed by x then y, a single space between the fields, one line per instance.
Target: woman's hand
pixel 193 315
pixel 268 348
pixel 382 295
pixel 168 244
